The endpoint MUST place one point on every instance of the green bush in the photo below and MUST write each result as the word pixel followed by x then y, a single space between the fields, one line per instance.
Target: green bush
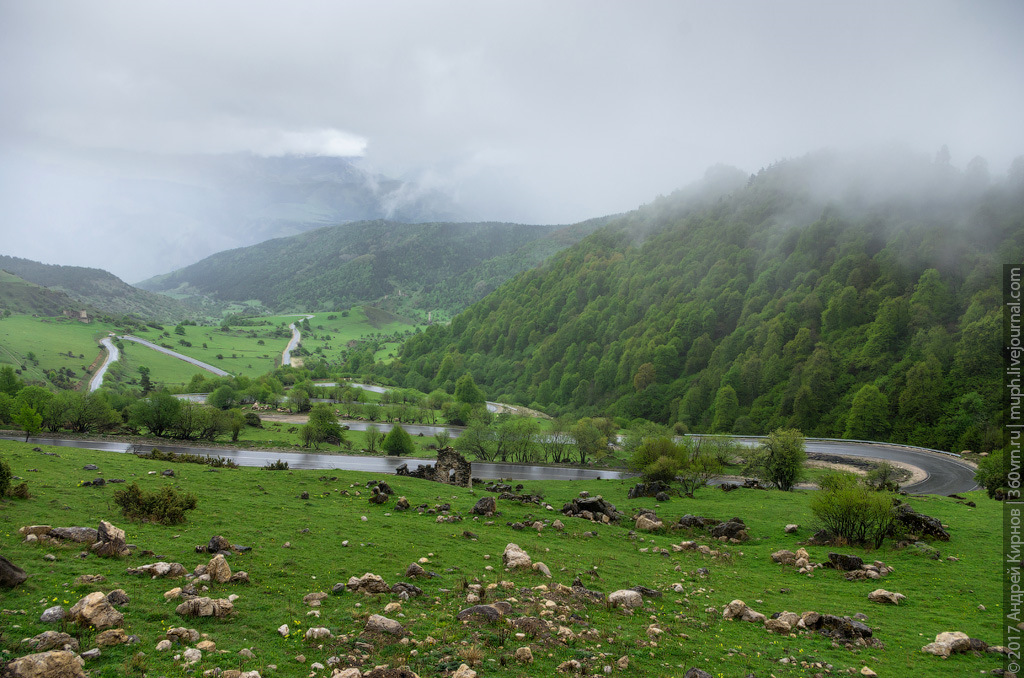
pixel 253 419
pixel 5 477
pixel 166 506
pixel 398 442
pixel 779 461
pixel 852 511
pixel 276 466
pixel 992 475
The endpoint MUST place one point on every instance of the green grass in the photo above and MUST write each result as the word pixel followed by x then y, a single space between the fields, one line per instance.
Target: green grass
pixel 263 509
pixel 50 339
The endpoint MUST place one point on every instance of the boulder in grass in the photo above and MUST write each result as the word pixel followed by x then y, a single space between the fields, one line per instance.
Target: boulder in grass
pixel 96 611
pixel 625 598
pixel 205 607
pixel 45 664
pixel 10 574
pixel 888 597
pixel 381 624
pixel 49 640
pixel 110 542
pixel 515 557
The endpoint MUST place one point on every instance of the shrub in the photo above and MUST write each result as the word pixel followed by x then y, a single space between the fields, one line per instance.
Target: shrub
pixel 20 491
pixel 853 511
pixel 885 476
pixel 992 475
pixel 5 477
pixel 253 419
pixel 166 506
pixel 276 466
pixel 398 442
pixel 779 460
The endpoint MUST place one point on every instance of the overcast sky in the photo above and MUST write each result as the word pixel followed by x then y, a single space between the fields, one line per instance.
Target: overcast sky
pixel 550 112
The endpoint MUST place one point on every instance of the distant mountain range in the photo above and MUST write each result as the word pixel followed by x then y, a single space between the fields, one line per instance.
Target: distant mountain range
pixel 45 289
pixel 139 214
pixel 440 267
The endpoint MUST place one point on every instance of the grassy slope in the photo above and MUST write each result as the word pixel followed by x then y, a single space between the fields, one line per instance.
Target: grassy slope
pixel 49 338
pixel 263 509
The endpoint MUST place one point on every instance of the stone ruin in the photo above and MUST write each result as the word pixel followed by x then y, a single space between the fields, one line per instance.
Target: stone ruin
pixel 451 468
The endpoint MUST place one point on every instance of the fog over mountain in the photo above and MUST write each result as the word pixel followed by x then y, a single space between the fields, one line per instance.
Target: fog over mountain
pixel 142 137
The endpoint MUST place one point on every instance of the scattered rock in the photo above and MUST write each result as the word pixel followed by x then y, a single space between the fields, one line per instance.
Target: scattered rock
pixel 464 672
pixel 792 528
pixel 625 598
pixel 920 524
pixel 524 655
pixel 48 640
pixel 205 607
pixel 313 599
pixel 160 569
pixel 697 673
pixel 491 612
pixel 845 563
pixel 368 584
pixel 54 614
pixel 648 522
pixel 382 624
pixel 94 610
pixel 486 506
pixel 112 637
pixel 10 574
pixel 45 664
pixel 218 569
pixel 110 541
pixel 737 609
pixel 883 596
pixel 515 557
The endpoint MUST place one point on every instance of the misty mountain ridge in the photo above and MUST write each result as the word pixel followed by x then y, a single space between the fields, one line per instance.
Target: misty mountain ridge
pixel 827 293
pixel 439 267
pixel 92 289
pixel 142 213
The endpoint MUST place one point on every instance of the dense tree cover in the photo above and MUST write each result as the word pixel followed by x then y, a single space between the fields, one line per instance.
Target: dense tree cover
pixel 441 266
pixel 821 295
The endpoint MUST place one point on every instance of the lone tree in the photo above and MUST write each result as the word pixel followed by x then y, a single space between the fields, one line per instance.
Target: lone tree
pixel 29 420
pixel 779 460
pixel 322 427
pixel 398 442
pixel 466 391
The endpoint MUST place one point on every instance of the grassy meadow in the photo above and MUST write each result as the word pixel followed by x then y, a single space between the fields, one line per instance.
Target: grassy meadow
pixel 300 546
pixel 50 339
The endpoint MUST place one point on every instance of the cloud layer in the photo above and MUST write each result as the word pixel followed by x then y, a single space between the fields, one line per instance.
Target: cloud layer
pixel 525 110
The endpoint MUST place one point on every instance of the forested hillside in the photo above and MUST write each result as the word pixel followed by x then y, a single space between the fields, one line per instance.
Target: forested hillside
pixel 97 289
pixel 440 267
pixel 856 298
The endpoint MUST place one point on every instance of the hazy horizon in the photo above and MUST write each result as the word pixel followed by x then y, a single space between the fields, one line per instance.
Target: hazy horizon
pixel 527 112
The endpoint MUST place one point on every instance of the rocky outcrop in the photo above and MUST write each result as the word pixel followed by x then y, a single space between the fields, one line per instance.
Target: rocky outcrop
pixel 48 640
pixel 218 569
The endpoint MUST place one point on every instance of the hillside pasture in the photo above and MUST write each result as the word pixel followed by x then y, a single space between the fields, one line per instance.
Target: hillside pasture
pixel 305 545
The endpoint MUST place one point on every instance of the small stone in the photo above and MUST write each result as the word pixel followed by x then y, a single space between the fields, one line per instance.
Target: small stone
pixel 524 655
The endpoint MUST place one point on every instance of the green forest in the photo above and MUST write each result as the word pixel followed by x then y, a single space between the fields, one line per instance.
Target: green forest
pixel 842 299
pixel 441 267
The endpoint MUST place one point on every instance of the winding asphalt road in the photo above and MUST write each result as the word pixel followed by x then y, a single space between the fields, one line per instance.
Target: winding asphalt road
pixel 945 475
pixel 286 355
pixel 180 356
pixel 112 356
